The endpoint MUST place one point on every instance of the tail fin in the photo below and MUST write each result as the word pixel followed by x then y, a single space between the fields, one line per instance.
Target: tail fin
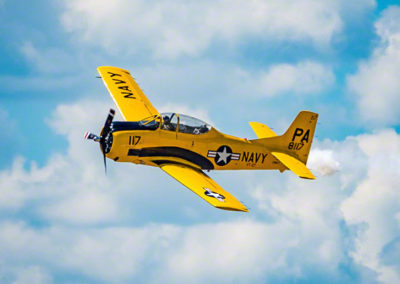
pixel 298 138
pixel 292 148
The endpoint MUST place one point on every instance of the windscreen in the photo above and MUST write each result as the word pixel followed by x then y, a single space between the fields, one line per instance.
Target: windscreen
pixel 191 125
pixel 151 122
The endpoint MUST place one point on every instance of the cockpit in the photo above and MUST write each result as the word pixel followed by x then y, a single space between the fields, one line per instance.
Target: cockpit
pixel 166 121
pixel 184 123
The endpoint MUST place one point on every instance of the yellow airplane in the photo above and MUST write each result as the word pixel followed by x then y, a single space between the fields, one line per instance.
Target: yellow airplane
pixel 184 146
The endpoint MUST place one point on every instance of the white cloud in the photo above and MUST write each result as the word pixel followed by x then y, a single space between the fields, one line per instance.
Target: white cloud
pixel 244 249
pixel 48 60
pixel 173 28
pixel 364 193
pixel 53 70
pixel 376 202
pixel 123 251
pixel 303 78
pixel 204 83
pixel 94 222
pixel 33 275
pixel 323 162
pixel 376 83
pixel 65 179
pixel 84 208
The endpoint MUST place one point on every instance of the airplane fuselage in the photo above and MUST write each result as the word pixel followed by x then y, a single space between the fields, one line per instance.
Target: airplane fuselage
pixel 208 151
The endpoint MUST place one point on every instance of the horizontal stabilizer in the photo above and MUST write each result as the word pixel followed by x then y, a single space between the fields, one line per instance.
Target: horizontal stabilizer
pixel 294 165
pixel 261 130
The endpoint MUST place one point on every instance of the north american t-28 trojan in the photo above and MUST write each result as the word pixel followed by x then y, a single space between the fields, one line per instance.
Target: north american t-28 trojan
pixel 184 146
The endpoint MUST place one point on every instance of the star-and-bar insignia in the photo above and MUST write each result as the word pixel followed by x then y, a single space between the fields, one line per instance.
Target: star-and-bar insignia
pixel 208 192
pixel 223 155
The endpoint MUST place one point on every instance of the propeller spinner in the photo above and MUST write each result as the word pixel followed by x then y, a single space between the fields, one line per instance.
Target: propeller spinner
pixel 103 138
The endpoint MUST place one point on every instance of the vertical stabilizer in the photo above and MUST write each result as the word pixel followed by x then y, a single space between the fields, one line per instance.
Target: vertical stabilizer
pixel 292 148
pixel 298 138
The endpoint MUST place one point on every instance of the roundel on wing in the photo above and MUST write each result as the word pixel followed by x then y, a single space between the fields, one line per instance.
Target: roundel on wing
pixel 208 192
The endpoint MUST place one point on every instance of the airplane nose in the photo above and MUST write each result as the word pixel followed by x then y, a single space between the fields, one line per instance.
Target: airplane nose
pixel 106 138
pixel 108 142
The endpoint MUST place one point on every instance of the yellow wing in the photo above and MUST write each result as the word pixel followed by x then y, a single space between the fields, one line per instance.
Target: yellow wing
pixel 294 165
pixel 261 130
pixel 131 101
pixel 203 186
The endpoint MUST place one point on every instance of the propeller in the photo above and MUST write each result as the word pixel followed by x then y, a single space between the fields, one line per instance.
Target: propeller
pixel 102 139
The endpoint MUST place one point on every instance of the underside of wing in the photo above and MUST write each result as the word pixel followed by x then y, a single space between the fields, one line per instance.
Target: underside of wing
pixel 131 101
pixel 203 186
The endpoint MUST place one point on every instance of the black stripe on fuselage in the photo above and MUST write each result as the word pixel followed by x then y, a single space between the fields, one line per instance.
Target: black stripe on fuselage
pixel 174 152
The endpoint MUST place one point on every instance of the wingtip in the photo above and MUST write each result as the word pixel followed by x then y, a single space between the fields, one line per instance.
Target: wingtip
pixel 309 177
pixel 238 209
pixel 100 69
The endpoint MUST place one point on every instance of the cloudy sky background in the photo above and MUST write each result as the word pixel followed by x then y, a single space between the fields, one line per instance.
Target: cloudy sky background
pixel 227 62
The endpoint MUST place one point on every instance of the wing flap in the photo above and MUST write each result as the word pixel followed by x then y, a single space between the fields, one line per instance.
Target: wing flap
pixel 294 165
pixel 203 186
pixel 131 101
pixel 261 130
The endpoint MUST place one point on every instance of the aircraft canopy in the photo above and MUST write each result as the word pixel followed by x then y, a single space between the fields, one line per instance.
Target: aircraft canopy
pixel 185 123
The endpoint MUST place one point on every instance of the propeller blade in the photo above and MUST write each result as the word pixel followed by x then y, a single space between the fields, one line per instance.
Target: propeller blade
pixel 105 163
pixel 109 120
pixel 103 136
pixel 102 139
pixel 91 136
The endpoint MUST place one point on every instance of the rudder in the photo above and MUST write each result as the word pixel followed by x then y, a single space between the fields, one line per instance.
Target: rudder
pixel 292 148
pixel 299 136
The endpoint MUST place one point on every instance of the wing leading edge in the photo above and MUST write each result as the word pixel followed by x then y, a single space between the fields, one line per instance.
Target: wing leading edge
pixel 261 130
pixel 131 101
pixel 204 186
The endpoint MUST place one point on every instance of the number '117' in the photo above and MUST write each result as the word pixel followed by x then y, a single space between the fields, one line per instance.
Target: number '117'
pixel 134 140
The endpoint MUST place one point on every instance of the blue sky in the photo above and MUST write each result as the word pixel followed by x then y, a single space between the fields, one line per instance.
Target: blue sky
pixel 63 221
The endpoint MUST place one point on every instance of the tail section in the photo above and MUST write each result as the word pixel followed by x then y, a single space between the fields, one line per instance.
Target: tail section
pixel 298 138
pixel 261 130
pixel 292 148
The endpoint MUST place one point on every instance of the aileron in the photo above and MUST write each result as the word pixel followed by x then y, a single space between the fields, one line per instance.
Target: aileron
pixel 203 186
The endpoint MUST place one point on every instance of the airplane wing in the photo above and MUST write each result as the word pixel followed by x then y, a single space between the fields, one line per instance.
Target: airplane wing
pixel 131 101
pixel 203 186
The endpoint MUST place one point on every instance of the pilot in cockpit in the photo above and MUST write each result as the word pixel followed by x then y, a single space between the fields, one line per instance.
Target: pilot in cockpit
pixel 167 124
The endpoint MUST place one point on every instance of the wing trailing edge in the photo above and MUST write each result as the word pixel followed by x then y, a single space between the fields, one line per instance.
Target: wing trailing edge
pixel 205 187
